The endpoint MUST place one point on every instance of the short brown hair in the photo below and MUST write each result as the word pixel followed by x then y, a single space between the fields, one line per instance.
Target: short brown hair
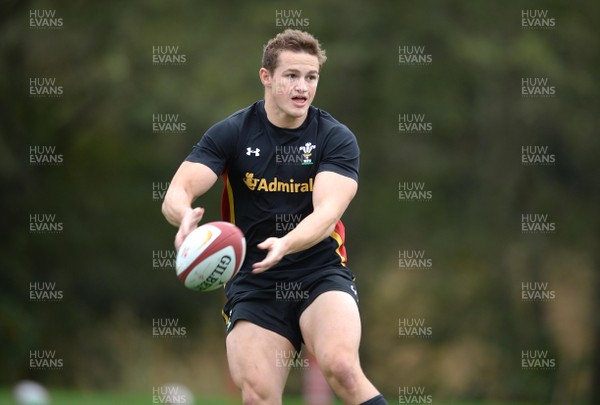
pixel 291 40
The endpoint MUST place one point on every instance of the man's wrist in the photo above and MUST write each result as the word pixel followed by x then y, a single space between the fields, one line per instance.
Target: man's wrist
pixel 286 244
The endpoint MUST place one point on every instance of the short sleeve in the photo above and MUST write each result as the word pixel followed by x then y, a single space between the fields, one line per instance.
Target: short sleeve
pixel 341 153
pixel 216 147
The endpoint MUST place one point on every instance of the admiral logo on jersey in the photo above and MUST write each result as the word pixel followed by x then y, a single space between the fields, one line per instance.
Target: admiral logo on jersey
pixel 258 184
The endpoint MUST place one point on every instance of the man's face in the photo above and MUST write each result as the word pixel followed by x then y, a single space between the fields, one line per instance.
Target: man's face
pixel 291 88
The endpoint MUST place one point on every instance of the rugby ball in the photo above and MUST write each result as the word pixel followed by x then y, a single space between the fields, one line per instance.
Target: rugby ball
pixel 210 256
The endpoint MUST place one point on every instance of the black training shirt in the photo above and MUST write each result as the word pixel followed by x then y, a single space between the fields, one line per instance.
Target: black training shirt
pixel 269 174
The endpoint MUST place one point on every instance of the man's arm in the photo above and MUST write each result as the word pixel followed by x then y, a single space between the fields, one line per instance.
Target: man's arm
pixel 190 182
pixel 332 193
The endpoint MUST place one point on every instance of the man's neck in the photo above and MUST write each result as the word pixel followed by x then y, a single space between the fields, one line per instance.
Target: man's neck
pixel 279 118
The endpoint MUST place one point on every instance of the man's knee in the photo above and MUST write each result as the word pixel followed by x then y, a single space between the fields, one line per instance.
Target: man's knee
pixel 252 365
pixel 342 368
pixel 254 393
pixel 258 391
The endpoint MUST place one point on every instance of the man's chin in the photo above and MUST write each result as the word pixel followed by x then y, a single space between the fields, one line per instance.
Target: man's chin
pixel 298 112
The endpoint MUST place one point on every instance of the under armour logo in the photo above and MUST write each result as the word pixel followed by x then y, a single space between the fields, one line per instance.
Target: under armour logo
pixel 354 289
pixel 255 152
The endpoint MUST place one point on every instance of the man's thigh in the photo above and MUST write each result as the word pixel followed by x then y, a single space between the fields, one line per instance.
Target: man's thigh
pixel 255 358
pixel 331 324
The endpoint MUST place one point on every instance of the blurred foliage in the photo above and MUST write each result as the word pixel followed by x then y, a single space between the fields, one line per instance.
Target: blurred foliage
pixel 102 193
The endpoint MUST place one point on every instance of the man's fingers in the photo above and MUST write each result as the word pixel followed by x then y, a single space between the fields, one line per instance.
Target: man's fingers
pixel 178 240
pixel 273 257
pixel 198 212
pixel 191 219
pixel 188 224
pixel 265 244
pixel 262 266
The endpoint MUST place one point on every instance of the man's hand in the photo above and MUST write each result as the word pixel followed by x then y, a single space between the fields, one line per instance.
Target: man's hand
pixel 188 224
pixel 332 193
pixel 277 248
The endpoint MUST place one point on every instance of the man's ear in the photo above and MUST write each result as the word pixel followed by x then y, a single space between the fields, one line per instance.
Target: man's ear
pixel 265 77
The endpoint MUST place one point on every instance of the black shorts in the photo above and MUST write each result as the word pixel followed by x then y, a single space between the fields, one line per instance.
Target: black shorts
pixel 279 307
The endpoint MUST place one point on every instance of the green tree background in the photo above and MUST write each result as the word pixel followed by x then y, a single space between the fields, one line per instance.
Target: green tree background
pixel 471 161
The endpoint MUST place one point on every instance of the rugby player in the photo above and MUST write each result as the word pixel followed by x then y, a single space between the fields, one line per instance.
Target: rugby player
pixel 290 171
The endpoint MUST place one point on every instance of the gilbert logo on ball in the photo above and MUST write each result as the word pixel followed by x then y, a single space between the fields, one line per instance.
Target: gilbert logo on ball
pixel 210 256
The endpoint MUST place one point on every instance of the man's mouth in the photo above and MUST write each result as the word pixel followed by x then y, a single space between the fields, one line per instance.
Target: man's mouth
pixel 299 101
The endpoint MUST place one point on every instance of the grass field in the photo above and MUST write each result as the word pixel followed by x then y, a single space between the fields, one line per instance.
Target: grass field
pixel 61 397
pixel 103 398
